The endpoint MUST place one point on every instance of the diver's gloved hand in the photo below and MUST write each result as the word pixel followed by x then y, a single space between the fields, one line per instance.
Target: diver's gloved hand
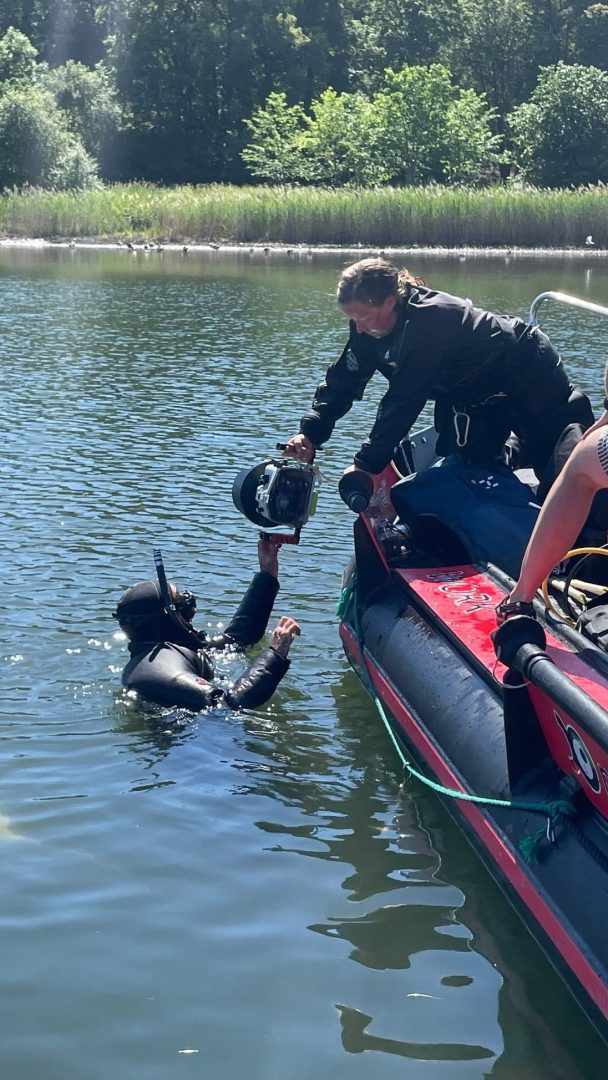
pixel 508 608
pixel 283 634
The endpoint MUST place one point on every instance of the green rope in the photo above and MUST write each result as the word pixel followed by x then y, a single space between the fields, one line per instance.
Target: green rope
pixel 345 595
pixel 554 810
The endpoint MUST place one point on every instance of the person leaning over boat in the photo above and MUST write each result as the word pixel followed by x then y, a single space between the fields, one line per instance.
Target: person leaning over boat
pixel 489 375
pixel 170 662
pixel 562 516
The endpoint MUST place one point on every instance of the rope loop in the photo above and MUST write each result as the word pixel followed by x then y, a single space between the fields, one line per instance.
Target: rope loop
pixel 554 811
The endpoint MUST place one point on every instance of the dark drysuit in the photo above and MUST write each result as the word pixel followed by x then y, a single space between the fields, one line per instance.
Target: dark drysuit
pixel 166 668
pixel 489 375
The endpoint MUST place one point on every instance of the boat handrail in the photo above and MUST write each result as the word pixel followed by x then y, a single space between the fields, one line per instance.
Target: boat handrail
pixel 564 298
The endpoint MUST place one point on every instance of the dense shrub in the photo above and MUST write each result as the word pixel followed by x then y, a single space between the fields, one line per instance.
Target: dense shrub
pixel 36 146
pixel 560 136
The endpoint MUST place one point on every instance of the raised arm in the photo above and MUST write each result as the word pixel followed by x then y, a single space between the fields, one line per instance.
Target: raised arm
pixel 251 619
pixel 564 512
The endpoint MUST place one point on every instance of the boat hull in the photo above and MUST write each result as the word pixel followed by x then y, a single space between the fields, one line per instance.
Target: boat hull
pixel 434 671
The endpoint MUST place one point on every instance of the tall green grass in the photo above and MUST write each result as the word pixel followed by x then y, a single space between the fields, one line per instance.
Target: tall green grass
pixel 383 217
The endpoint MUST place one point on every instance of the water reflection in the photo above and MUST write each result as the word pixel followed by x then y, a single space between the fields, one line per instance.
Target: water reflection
pixel 431 927
pixel 356 1039
pixel 340 805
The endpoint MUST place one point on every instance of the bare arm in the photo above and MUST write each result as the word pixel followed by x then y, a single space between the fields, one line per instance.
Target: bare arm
pixel 268 556
pixel 603 420
pixel 563 513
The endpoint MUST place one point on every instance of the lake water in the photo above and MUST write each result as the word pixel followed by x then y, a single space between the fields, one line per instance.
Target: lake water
pixel 249 895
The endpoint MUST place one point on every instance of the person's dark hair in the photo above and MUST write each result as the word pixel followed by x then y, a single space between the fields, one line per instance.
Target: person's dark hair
pixel 370 281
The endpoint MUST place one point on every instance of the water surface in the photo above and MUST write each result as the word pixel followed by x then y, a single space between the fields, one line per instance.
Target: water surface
pixel 258 888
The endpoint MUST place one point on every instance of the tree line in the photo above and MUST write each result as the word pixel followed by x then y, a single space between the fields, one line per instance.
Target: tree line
pixel 303 91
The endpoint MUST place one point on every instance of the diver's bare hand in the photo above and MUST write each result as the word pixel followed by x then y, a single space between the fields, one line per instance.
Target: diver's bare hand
pixel 300 447
pixel 283 634
pixel 268 554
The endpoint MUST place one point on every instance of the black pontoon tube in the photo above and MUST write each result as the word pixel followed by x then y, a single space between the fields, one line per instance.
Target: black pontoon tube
pixel 520 644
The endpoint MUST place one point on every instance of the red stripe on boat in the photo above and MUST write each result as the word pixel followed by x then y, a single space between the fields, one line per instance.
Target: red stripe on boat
pixel 464 599
pixel 456 593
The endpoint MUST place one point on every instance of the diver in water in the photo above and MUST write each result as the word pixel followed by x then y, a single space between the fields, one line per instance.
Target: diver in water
pixel 170 660
pixel 489 375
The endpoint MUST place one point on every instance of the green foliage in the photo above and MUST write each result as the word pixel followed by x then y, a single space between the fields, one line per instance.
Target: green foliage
pixel 472 151
pixel 561 135
pixel 419 127
pixel 275 151
pixel 339 142
pixel 495 52
pixel 431 129
pixel 17 59
pixel 334 145
pixel 324 59
pixel 41 143
pixel 399 33
pixel 594 35
pixel 61 29
pixel 410 112
pixel 36 147
pixel 88 99
pixel 186 74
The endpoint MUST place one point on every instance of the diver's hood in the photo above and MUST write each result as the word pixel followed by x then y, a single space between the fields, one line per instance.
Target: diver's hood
pixel 141 615
pixel 140 601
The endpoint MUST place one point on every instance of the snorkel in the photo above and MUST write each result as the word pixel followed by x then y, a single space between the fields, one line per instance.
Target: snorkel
pixel 165 592
pixel 169 606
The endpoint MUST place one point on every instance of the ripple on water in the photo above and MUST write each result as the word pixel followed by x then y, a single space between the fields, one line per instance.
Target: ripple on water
pixel 257 888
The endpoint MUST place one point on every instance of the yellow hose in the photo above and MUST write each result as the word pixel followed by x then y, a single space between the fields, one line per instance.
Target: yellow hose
pixel 545 584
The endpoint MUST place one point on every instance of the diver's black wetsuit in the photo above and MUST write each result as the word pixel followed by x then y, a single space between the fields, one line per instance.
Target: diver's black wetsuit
pixel 488 375
pixel 167 670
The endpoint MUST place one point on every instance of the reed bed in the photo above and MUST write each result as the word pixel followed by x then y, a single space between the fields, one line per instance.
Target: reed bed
pixel 379 217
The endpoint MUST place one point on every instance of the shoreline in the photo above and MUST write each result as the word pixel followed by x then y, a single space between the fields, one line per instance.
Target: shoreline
pixel 411 222
pixel 145 246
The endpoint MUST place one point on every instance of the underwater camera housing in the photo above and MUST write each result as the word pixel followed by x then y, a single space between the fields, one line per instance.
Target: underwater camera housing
pixel 277 494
